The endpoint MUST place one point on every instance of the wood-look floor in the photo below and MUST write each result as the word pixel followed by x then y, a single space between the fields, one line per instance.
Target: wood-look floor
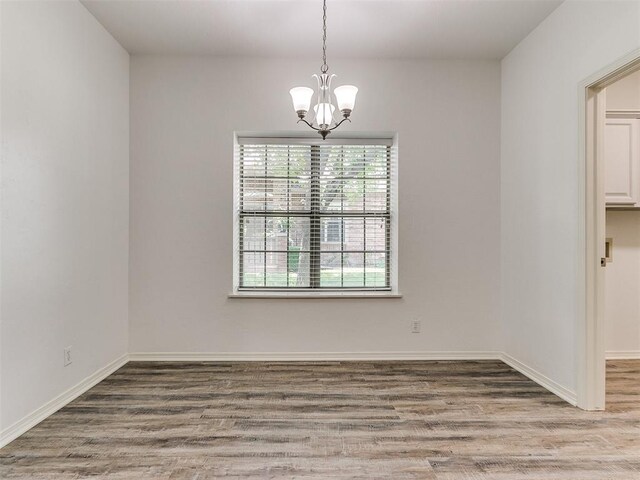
pixel 369 420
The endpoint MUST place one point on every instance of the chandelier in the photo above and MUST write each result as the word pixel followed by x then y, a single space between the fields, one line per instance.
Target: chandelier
pixel 323 120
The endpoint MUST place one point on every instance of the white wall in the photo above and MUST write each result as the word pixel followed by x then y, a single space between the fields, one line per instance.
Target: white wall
pixel 183 115
pixel 622 283
pixel 65 121
pixel 540 190
pixel 625 93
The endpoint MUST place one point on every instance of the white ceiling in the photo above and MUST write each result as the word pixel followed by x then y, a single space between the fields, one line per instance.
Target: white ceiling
pixel 482 29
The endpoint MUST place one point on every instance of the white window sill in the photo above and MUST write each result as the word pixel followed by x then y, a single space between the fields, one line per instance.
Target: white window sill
pixel 313 295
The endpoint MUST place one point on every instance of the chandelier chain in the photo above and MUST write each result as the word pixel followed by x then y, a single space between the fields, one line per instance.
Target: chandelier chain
pixel 324 67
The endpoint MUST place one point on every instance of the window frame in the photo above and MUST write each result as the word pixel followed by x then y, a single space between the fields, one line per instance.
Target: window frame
pixel 314 289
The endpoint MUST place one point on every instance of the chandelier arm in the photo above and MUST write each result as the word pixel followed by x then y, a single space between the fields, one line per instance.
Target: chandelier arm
pixel 339 123
pixel 309 124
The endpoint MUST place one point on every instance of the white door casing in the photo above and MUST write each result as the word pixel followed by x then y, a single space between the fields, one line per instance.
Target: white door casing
pixel 590 355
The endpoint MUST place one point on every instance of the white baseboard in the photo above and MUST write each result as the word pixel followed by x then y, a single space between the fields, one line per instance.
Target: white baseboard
pixel 307 356
pixel 9 434
pixel 542 380
pixel 623 355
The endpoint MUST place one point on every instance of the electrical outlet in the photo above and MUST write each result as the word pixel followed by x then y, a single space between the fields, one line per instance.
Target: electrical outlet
pixel 415 326
pixel 67 356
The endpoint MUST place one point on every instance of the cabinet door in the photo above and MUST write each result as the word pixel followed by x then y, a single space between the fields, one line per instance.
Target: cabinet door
pixel 622 161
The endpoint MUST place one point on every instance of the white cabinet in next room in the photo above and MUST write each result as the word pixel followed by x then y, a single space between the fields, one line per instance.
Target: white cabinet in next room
pixel 622 161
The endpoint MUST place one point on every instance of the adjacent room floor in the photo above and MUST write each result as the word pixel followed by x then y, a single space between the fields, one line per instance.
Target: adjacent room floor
pixel 391 420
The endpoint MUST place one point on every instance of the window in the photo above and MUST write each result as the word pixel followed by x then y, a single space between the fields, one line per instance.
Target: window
pixel 332 232
pixel 313 215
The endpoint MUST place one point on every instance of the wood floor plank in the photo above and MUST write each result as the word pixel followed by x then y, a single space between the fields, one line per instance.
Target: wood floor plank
pixel 332 420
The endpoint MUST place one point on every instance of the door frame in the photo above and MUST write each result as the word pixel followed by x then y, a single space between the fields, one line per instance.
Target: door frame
pixel 591 361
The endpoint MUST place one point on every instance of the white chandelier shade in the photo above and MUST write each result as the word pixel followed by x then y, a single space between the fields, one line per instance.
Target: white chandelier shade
pixel 324 114
pixel 301 98
pixel 346 97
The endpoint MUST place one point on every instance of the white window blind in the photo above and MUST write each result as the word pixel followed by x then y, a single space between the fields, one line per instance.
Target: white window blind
pixel 313 216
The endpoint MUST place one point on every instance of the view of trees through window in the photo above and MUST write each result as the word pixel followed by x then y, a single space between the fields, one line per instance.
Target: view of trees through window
pixel 314 216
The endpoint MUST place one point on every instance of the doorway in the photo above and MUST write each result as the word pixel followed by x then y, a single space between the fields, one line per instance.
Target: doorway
pixel 597 252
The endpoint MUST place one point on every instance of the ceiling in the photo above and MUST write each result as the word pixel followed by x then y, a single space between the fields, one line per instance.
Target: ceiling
pixel 458 29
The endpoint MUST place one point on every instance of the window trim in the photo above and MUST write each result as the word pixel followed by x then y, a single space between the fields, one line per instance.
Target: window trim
pixel 279 138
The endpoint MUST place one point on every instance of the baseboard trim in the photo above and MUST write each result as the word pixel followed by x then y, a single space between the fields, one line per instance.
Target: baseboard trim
pixel 21 426
pixel 623 355
pixel 542 380
pixel 308 356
